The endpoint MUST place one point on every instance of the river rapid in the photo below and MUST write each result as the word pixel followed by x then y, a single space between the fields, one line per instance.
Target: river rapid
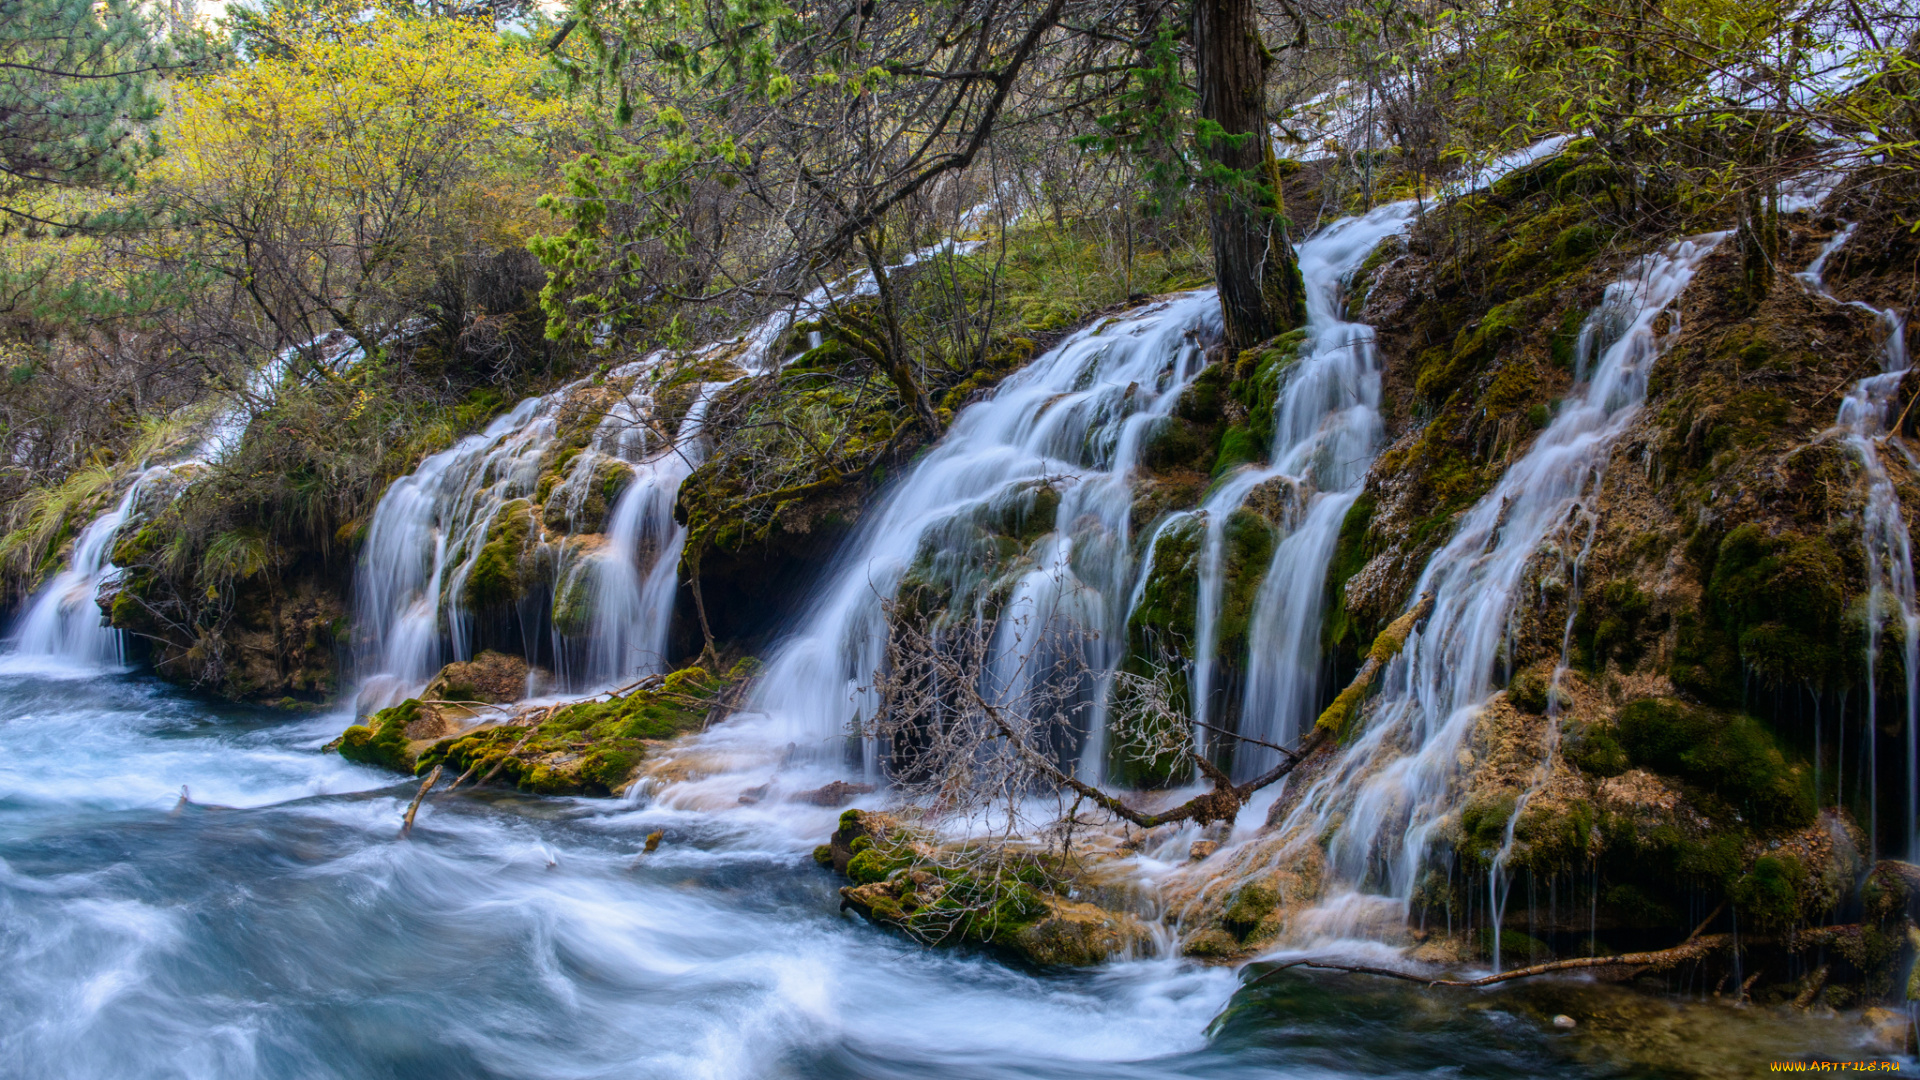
pixel 274 924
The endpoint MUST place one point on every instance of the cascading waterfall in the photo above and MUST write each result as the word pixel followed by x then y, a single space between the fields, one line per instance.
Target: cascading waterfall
pixel 442 505
pixel 1067 430
pixel 1865 421
pixel 429 529
pixel 63 621
pixel 631 609
pixel 430 533
pixel 1327 427
pixel 1389 791
pixel 1070 427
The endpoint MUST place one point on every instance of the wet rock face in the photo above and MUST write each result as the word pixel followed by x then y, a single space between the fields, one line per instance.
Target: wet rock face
pixel 491 677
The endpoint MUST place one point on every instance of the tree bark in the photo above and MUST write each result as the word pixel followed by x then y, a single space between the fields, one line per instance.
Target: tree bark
pixel 1259 281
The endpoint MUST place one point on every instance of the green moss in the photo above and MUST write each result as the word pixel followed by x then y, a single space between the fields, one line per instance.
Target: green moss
pixel 481 404
pixel 382 740
pixel 1247 550
pixel 1516 949
pixel 1613 626
pixel 1779 603
pixel 590 748
pixel 1529 692
pixel 1596 752
pixel 1483 827
pixel 1248 908
pixel 1769 894
pixel 1728 755
pixel 1164 617
pixel 573 604
pixel 497 579
pixel 1353 549
pixel 1564 344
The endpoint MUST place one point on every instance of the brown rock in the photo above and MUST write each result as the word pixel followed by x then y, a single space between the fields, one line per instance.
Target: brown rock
pixel 493 678
pixel 838 793
pixel 1078 935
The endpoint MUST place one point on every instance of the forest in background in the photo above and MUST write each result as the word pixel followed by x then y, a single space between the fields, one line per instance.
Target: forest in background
pixel 379 225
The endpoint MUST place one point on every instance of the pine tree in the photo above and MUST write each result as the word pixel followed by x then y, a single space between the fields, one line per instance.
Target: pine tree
pixel 77 100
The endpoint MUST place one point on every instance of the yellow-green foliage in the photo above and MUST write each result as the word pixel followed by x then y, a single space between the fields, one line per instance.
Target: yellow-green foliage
pixel 46 518
pixel 371 120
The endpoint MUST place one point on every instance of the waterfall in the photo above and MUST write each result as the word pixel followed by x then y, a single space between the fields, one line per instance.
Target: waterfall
pixel 1070 427
pixel 630 611
pixel 1387 793
pixel 1327 427
pixel 1066 430
pixel 63 621
pixel 441 536
pixel 1865 422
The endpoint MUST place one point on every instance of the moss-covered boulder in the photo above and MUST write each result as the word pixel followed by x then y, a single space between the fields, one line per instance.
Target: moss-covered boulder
pixel 945 895
pixel 591 747
pixel 499 575
pixel 383 740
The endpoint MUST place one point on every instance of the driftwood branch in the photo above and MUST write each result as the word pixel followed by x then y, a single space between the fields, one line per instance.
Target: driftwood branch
pixel 1224 800
pixel 406 824
pixel 1691 949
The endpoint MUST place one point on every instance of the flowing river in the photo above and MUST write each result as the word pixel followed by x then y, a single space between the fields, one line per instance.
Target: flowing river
pixel 275 925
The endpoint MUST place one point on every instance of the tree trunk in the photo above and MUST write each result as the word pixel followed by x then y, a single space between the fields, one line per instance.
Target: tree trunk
pixel 1260 290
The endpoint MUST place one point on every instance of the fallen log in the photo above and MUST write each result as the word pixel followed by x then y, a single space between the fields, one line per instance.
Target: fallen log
pixel 1691 949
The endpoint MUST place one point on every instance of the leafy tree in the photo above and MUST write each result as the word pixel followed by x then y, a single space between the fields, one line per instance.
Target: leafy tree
pixel 334 182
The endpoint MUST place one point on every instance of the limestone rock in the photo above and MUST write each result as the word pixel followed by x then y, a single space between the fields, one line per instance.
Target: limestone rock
pixel 491 677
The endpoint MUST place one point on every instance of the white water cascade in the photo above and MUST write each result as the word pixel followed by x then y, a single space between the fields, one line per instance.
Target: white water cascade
pixel 1865 423
pixel 1072 423
pixel 1327 427
pixel 431 526
pixel 1390 789
pixel 63 622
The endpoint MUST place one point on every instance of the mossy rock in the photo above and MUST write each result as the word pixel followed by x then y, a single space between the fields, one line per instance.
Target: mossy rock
pixel 491 677
pixel 589 748
pixel 1731 756
pixel 900 881
pixel 1250 906
pixel 382 740
pixel 499 576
